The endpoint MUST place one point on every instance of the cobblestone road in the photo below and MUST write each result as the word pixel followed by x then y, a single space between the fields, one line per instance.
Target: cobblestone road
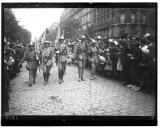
pixel 99 97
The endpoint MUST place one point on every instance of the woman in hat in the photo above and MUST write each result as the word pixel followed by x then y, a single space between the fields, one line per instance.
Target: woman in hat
pixel 80 55
pixel 46 61
pixel 32 64
pixel 93 52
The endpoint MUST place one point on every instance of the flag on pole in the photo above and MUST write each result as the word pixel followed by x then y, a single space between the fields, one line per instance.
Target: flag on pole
pixel 58 33
pixel 44 37
pixel 62 35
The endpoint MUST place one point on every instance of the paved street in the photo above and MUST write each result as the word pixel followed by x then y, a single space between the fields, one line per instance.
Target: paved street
pixel 98 97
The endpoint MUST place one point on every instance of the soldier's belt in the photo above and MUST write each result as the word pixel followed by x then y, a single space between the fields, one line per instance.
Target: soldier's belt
pixel 63 54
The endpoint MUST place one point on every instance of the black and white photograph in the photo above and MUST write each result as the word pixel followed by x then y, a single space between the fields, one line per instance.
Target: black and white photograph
pixel 83 61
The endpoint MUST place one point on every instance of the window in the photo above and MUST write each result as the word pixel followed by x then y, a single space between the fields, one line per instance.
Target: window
pixel 113 19
pixel 143 19
pixel 83 19
pixel 122 18
pixel 151 19
pixel 101 20
pixel 98 22
pixel 132 18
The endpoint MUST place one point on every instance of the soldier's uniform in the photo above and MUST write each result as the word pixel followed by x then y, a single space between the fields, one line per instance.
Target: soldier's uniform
pixel 62 59
pixel 93 58
pixel 30 57
pixel 47 55
pixel 81 56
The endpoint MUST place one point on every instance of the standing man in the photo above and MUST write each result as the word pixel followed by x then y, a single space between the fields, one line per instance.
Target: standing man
pixel 47 55
pixel 135 58
pixel 62 51
pixel 5 85
pixel 114 58
pixel 80 54
pixel 93 52
pixel 32 64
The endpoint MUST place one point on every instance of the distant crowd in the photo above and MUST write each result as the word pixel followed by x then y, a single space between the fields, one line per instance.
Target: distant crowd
pixel 131 62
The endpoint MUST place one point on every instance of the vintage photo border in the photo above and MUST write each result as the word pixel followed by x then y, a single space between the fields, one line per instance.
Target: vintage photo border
pixel 78 120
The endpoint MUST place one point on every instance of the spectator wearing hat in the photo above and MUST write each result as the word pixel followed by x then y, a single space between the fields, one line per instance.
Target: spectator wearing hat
pixel 80 54
pixel 98 39
pixel 120 48
pixel 62 51
pixel 93 58
pixel 135 58
pixel 114 58
pixel 152 49
pixel 101 46
pixel 5 85
pixel 32 64
pixel 148 63
pixel 47 55
pixel 125 60
pixel 108 65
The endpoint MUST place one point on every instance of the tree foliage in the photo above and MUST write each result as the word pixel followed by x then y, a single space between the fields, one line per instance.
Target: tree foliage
pixel 12 30
pixel 70 27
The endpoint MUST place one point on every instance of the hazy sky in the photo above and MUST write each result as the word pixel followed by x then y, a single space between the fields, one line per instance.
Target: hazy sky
pixel 37 19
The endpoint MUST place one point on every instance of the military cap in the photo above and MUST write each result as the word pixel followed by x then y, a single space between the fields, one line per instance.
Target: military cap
pixel 115 42
pixel 8 43
pixel 61 38
pixel 147 35
pixel 46 42
pixel 133 38
pixel 110 40
pixel 99 37
pixel 83 37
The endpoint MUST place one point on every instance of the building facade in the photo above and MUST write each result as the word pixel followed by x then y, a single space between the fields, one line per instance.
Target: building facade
pixel 110 22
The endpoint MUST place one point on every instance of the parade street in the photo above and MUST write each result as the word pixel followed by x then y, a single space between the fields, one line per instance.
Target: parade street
pixel 97 97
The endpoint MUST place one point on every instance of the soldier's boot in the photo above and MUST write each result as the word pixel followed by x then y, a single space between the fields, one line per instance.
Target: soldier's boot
pixel 45 78
pixel 60 77
pixel 79 73
pixel 34 81
pixel 64 69
pixel 63 72
pixel 92 74
pixel 30 84
pixel 30 81
pixel 82 74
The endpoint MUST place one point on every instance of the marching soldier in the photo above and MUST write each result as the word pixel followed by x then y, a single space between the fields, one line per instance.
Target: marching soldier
pixel 93 52
pixel 80 54
pixel 62 51
pixel 47 55
pixel 32 64
pixel 98 39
